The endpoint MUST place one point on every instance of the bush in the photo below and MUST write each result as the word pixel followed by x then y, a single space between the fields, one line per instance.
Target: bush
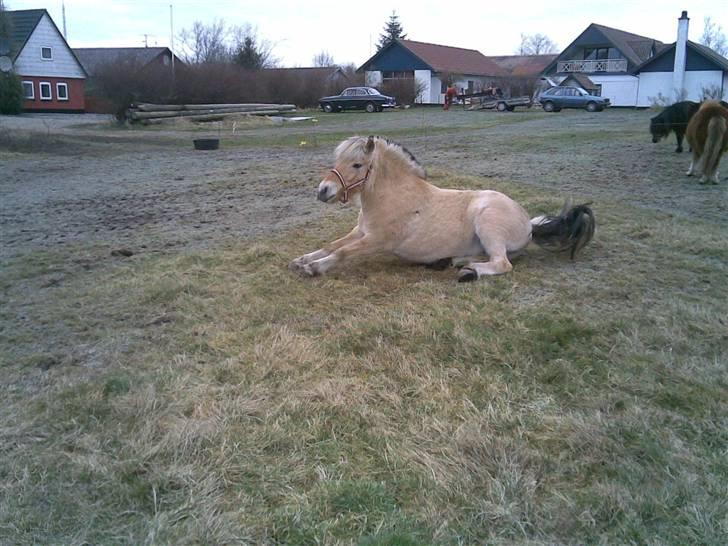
pixel 11 94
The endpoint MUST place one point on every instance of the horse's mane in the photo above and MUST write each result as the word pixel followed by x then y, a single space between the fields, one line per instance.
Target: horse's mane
pixel 355 147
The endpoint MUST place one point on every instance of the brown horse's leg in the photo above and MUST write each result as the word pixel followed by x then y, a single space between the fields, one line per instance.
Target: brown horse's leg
pixel 364 246
pixel 693 164
pixel 350 237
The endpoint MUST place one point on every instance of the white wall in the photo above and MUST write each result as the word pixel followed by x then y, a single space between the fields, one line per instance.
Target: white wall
pixel 63 65
pixel 435 96
pixel 695 80
pixel 423 78
pixel 653 83
pixel 373 78
pixel 621 90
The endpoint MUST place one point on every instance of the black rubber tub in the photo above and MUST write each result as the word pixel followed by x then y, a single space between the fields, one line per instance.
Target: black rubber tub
pixel 206 143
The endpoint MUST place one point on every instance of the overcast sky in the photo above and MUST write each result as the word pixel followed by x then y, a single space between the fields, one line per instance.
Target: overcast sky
pixel 299 30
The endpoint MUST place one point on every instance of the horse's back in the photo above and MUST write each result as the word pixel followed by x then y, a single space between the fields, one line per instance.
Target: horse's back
pixel 697 132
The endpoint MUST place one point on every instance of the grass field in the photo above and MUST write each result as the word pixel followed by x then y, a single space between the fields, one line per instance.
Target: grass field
pixel 206 395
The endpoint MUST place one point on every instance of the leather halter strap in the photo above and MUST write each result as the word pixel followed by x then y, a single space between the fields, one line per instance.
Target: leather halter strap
pixel 346 187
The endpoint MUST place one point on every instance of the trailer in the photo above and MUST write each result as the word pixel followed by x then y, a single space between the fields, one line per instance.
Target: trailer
pixel 492 99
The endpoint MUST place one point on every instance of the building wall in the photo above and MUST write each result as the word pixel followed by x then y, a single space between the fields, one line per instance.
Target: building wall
pixel 373 78
pixel 76 99
pixel 620 90
pixel 63 63
pixel 423 78
pixel 654 83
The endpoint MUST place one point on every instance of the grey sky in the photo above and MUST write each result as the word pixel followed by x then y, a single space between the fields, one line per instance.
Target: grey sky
pixel 299 30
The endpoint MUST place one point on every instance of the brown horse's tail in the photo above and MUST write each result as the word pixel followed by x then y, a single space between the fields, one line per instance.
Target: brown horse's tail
pixel 571 230
pixel 714 140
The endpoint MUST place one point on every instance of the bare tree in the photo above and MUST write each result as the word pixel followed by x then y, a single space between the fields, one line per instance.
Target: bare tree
pixel 323 58
pixel 536 44
pixel 206 43
pixel 713 37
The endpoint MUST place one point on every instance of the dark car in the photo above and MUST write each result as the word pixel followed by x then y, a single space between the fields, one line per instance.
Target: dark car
pixel 366 98
pixel 559 97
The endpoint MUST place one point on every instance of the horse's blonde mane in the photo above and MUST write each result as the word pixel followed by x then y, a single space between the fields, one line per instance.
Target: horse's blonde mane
pixel 354 149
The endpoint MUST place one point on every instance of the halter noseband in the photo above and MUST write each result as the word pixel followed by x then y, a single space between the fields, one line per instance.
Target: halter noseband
pixel 344 198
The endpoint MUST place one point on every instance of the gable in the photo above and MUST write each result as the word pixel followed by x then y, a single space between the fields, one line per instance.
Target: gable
pixel 696 59
pixel 28 61
pixel 395 57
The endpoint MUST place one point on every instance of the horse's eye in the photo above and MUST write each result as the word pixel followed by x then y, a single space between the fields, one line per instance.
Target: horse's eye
pixel 357 165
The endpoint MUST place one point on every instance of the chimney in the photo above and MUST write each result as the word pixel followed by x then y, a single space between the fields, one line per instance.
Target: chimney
pixel 678 73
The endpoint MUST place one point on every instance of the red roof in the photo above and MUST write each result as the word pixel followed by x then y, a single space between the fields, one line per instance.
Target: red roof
pixel 457 60
pixel 523 65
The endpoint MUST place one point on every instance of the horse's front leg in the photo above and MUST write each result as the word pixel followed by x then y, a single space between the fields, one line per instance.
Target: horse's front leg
pixel 350 237
pixel 364 246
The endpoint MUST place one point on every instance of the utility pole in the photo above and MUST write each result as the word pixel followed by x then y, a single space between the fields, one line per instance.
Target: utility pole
pixel 171 40
pixel 146 40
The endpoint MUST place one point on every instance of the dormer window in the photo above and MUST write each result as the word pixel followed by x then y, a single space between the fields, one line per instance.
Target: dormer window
pixel 46 53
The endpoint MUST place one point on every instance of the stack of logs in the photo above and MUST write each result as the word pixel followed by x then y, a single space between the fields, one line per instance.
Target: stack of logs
pixel 156 113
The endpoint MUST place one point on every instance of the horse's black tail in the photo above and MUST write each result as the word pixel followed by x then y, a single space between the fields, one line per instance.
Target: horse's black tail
pixel 571 230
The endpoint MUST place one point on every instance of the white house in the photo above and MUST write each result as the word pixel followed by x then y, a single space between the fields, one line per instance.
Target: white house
pixel 52 77
pixel 430 67
pixel 683 70
pixel 634 70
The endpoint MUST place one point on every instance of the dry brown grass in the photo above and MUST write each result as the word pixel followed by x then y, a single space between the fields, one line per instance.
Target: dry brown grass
pixel 216 398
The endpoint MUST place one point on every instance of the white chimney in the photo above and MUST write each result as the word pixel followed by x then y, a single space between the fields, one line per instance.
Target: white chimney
pixel 678 73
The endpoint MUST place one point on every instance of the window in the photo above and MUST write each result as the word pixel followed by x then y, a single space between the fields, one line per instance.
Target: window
pixel 28 91
pixel 350 92
pixel 598 90
pixel 46 53
pixel 62 91
pixel 45 91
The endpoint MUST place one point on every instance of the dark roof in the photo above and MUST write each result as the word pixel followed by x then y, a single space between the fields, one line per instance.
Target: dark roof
pixel 94 57
pixel 705 51
pixel 22 25
pixel 582 79
pixel 635 47
pixel 323 72
pixel 523 65
pixel 440 58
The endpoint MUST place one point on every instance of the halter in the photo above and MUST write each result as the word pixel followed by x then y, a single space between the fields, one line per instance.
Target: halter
pixel 360 182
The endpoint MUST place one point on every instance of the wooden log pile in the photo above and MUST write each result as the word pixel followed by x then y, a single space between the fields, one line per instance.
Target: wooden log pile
pixel 155 113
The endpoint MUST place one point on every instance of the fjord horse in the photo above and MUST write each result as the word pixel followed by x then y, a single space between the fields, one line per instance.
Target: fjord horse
pixel 707 135
pixel 403 214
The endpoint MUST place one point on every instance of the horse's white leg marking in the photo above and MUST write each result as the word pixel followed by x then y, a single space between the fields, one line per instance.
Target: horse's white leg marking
pixel 691 169
pixel 363 246
pixel 299 262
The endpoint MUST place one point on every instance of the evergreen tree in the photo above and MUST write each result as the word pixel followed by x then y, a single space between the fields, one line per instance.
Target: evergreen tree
pixel 248 55
pixel 392 30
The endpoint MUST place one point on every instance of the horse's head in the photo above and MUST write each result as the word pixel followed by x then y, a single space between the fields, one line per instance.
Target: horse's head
pixel 353 163
pixel 354 166
pixel 659 128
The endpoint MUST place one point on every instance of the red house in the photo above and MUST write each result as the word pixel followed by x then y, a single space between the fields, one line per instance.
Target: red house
pixel 53 78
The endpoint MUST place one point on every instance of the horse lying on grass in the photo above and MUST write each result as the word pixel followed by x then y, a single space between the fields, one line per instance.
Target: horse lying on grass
pixel 708 137
pixel 402 214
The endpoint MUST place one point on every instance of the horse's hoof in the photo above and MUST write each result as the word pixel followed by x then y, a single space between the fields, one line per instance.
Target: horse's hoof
pixel 678 151
pixel 295 265
pixel 467 274
pixel 310 270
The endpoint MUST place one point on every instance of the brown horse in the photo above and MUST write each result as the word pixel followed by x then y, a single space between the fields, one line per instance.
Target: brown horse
pixel 402 214
pixel 707 135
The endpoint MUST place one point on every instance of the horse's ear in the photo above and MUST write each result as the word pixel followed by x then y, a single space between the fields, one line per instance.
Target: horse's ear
pixel 369 148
